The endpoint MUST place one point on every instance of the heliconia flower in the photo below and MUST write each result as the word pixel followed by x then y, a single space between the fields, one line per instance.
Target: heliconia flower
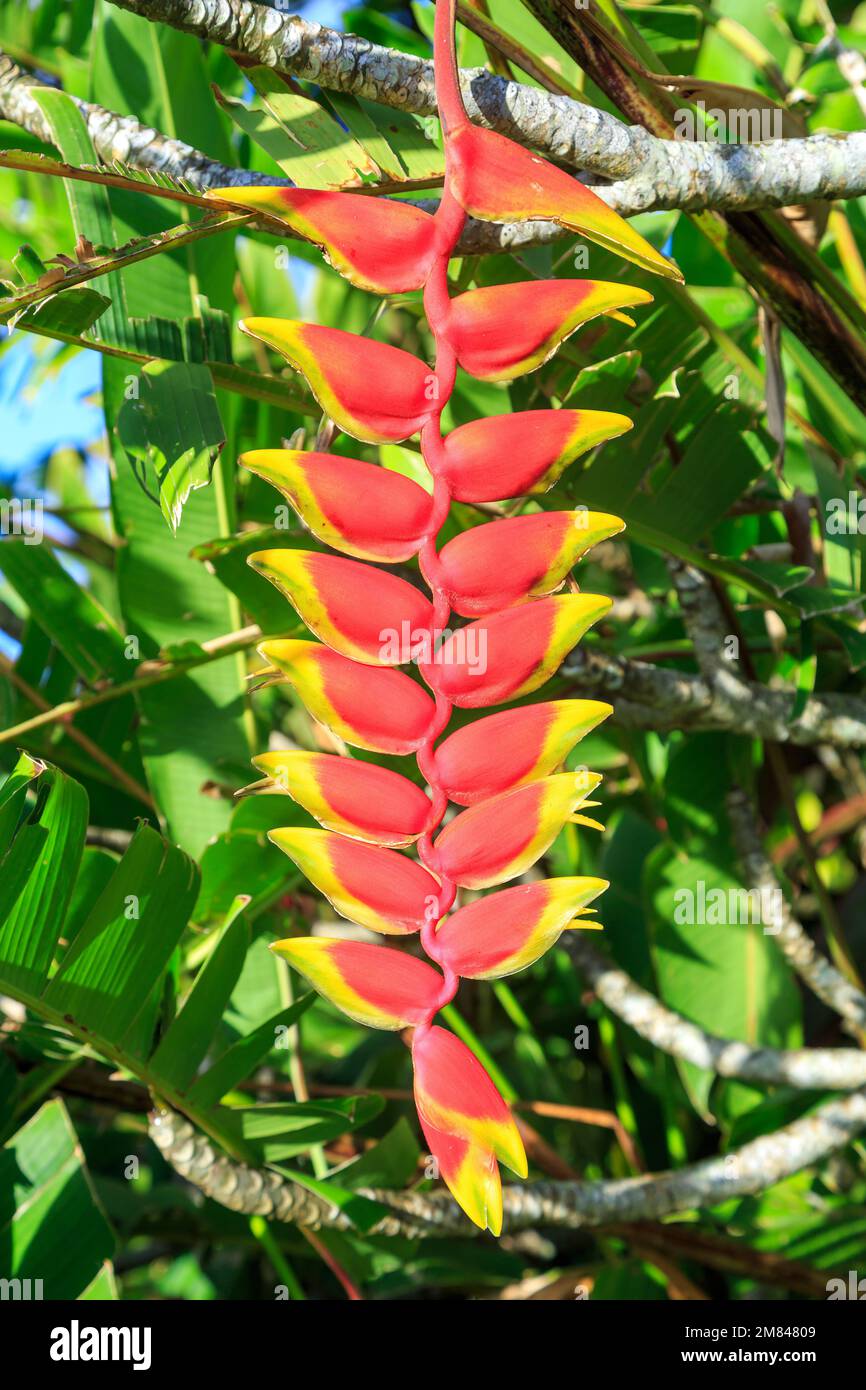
pixel 379 245
pixel 502 331
pixel 512 653
pixel 513 455
pixel 466 1123
pixel 506 750
pixel 499 839
pixel 505 932
pixel 374 392
pixel 505 562
pixel 506 768
pixel 498 181
pixel 369 707
pixel 377 888
pixel 376 986
pixel 363 613
pixel 354 798
pixel 324 490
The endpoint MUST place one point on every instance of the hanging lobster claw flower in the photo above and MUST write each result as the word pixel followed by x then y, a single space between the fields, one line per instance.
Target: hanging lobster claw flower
pixel 494 566
pixel 374 985
pixel 324 490
pixel 377 888
pixel 513 455
pixel 508 931
pixel 501 838
pixel 354 798
pixel 502 331
pixel 506 750
pixel 374 392
pixel 369 707
pixel 383 246
pixel 496 180
pixel 363 613
pixel 511 654
pixel 466 1123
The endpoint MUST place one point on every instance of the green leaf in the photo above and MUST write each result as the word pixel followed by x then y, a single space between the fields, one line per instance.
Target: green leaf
pixel 393 1162
pixel 240 1059
pixel 82 630
pixel 121 951
pixel 57 1232
pixel 172 430
pixel 29 930
pixel 727 976
pixel 185 1044
pixel 277 1132
pixel 91 211
pixel 310 147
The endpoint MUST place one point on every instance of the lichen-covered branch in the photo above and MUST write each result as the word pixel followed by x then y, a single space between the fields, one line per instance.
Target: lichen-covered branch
pixel 822 977
pixel 652 173
pixel 117 138
pixel 564 1205
pixel 808 1068
pixel 653 697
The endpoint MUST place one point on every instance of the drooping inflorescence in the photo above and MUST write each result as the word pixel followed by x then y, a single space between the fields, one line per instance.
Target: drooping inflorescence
pixel 502 576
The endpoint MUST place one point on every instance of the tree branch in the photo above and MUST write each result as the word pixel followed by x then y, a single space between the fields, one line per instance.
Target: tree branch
pixel 565 1205
pixel 118 139
pixel 807 1068
pixel 654 697
pixel 652 174
pixel 824 980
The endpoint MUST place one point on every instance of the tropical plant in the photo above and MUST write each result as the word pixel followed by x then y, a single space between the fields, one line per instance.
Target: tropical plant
pixel 464 415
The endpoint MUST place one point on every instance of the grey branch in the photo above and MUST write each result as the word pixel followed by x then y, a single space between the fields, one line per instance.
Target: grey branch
pixel 650 174
pixel 646 696
pixel 564 1205
pixel 808 1068
pixel 117 138
pixel 821 976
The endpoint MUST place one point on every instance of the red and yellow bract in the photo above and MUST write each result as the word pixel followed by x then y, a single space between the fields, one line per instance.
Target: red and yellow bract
pixel 504 768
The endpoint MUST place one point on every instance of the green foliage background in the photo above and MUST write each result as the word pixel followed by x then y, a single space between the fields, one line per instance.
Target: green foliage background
pixel 163 725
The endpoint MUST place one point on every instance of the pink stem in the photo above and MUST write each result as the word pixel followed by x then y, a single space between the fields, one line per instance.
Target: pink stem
pixel 452 112
pixel 450 220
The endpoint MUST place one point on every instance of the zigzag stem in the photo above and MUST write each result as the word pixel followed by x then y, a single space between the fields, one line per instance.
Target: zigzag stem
pixel 450 220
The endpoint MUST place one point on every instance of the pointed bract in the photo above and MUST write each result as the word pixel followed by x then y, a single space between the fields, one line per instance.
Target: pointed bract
pixel 510 654
pixel 377 888
pixel 375 985
pixel 374 392
pixel 508 931
pixel 513 455
pixel 516 746
pixel 502 563
pixel 363 613
pixel 496 180
pixel 369 707
pixel 456 1099
pixel 324 490
pixel 353 798
pixel 502 331
pixel 378 244
pixel 499 839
